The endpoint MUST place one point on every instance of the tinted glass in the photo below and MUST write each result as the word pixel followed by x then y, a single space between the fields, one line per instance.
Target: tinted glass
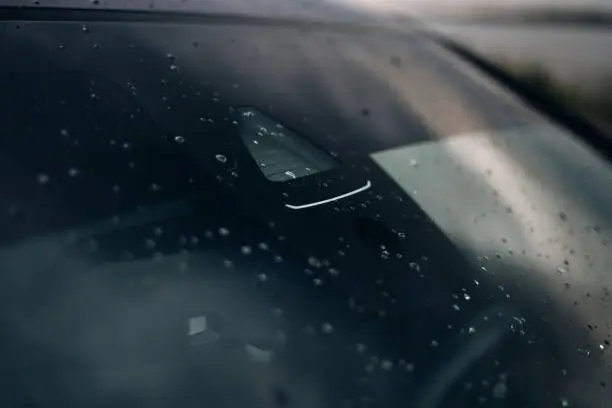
pixel 407 258
pixel 280 153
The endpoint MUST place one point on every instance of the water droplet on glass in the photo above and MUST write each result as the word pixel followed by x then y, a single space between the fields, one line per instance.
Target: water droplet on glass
pixel 500 390
pixel 334 272
pixel 384 254
pixel 386 365
pixel 415 266
pixel 246 250
pixel 84 29
pixel 434 343
pixel 314 262
pixel 193 240
pixel 327 328
pixel 224 232
pixel 263 246
pixel 43 178
pixel 317 282
pixel 361 348
pixel 155 187
pixel 179 139
pixel 228 264
pixel 150 243
pixel 262 277
pixel 92 245
pixel 414 163
pixel 73 172
pixel 277 312
pixel 221 158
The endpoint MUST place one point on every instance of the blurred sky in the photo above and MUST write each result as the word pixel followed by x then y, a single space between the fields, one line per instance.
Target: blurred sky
pixel 499 3
pixel 461 4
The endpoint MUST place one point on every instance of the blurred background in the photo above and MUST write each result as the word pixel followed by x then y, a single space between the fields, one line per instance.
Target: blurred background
pixel 562 47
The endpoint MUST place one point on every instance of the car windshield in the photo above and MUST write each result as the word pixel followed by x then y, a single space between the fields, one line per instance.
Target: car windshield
pixel 253 214
pixel 337 11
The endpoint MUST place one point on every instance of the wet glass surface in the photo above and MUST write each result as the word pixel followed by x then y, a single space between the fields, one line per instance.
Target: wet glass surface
pixel 148 261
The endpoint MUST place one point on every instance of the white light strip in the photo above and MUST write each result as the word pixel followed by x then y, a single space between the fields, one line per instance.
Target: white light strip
pixel 329 200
